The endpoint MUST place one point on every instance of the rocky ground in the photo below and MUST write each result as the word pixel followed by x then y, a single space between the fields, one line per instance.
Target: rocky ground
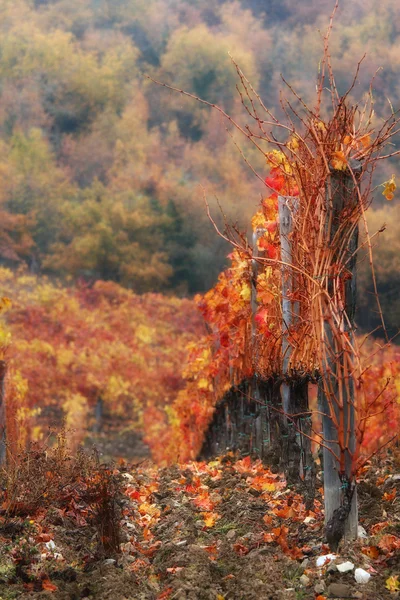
pixel 227 529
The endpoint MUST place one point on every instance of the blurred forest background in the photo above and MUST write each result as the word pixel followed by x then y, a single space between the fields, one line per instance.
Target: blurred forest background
pixel 101 170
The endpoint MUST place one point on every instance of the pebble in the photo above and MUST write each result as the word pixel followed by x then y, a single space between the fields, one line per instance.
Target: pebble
pixel 325 558
pixel 332 568
pixel 305 563
pixel 345 567
pixel 304 580
pixel 361 533
pixel 340 590
pixel 231 534
pixel 361 576
pixel 109 561
pixel 319 587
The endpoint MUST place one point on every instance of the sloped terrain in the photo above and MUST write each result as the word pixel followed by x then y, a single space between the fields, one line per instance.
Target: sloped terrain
pixel 226 529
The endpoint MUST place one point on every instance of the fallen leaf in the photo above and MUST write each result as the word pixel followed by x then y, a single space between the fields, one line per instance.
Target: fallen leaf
pixel 174 570
pixel 48 586
pixel 165 594
pixel 371 551
pixel 393 583
pixel 240 549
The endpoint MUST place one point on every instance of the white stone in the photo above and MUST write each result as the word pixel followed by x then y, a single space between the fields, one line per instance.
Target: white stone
pixel 361 533
pixel 308 520
pixel 345 567
pixel 321 560
pixel 58 556
pixel 50 545
pixel 361 576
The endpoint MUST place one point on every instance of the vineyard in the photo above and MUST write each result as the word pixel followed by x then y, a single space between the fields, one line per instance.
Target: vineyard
pixel 71 349
pixel 242 442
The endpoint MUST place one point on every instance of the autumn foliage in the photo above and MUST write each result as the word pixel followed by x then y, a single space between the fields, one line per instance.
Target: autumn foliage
pixel 72 347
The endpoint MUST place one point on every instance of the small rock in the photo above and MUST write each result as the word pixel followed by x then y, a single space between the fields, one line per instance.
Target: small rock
pixel 305 563
pixel 199 524
pixel 361 533
pixel 361 576
pixel 332 568
pixel 231 534
pixel 339 590
pixel 308 520
pixel 58 556
pixel 304 580
pixel 325 558
pixel 345 567
pixel 319 587
pixel 50 545
pixel 109 561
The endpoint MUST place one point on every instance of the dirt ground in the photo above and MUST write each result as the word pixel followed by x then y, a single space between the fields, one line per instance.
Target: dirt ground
pixel 224 530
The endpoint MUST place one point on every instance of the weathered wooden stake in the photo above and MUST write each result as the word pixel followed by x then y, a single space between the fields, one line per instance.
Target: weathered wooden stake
pixel 297 458
pixel 287 207
pixel 3 414
pixel 342 196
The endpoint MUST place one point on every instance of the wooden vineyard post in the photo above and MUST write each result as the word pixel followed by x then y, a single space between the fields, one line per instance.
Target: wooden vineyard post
pixel 336 492
pixel 98 415
pixel 3 414
pixel 262 429
pixel 297 455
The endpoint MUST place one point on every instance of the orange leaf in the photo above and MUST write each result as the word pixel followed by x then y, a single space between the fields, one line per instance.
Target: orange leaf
pixel 268 519
pixel 48 586
pixel 211 551
pixel 389 543
pixel 165 594
pixel 389 496
pixel 371 551
pixel 240 549
pixel 210 518
pixel 338 161
pixel 378 527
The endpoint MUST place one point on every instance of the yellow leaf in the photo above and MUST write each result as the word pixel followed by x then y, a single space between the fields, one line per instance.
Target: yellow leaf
pixel 210 518
pixel 258 221
pixel 202 384
pixel 389 188
pixel 293 143
pixel 338 161
pixel 245 292
pixel 393 583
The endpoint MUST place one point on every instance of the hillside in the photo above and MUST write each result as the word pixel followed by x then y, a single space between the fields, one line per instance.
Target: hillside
pixel 75 349
pixel 101 170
